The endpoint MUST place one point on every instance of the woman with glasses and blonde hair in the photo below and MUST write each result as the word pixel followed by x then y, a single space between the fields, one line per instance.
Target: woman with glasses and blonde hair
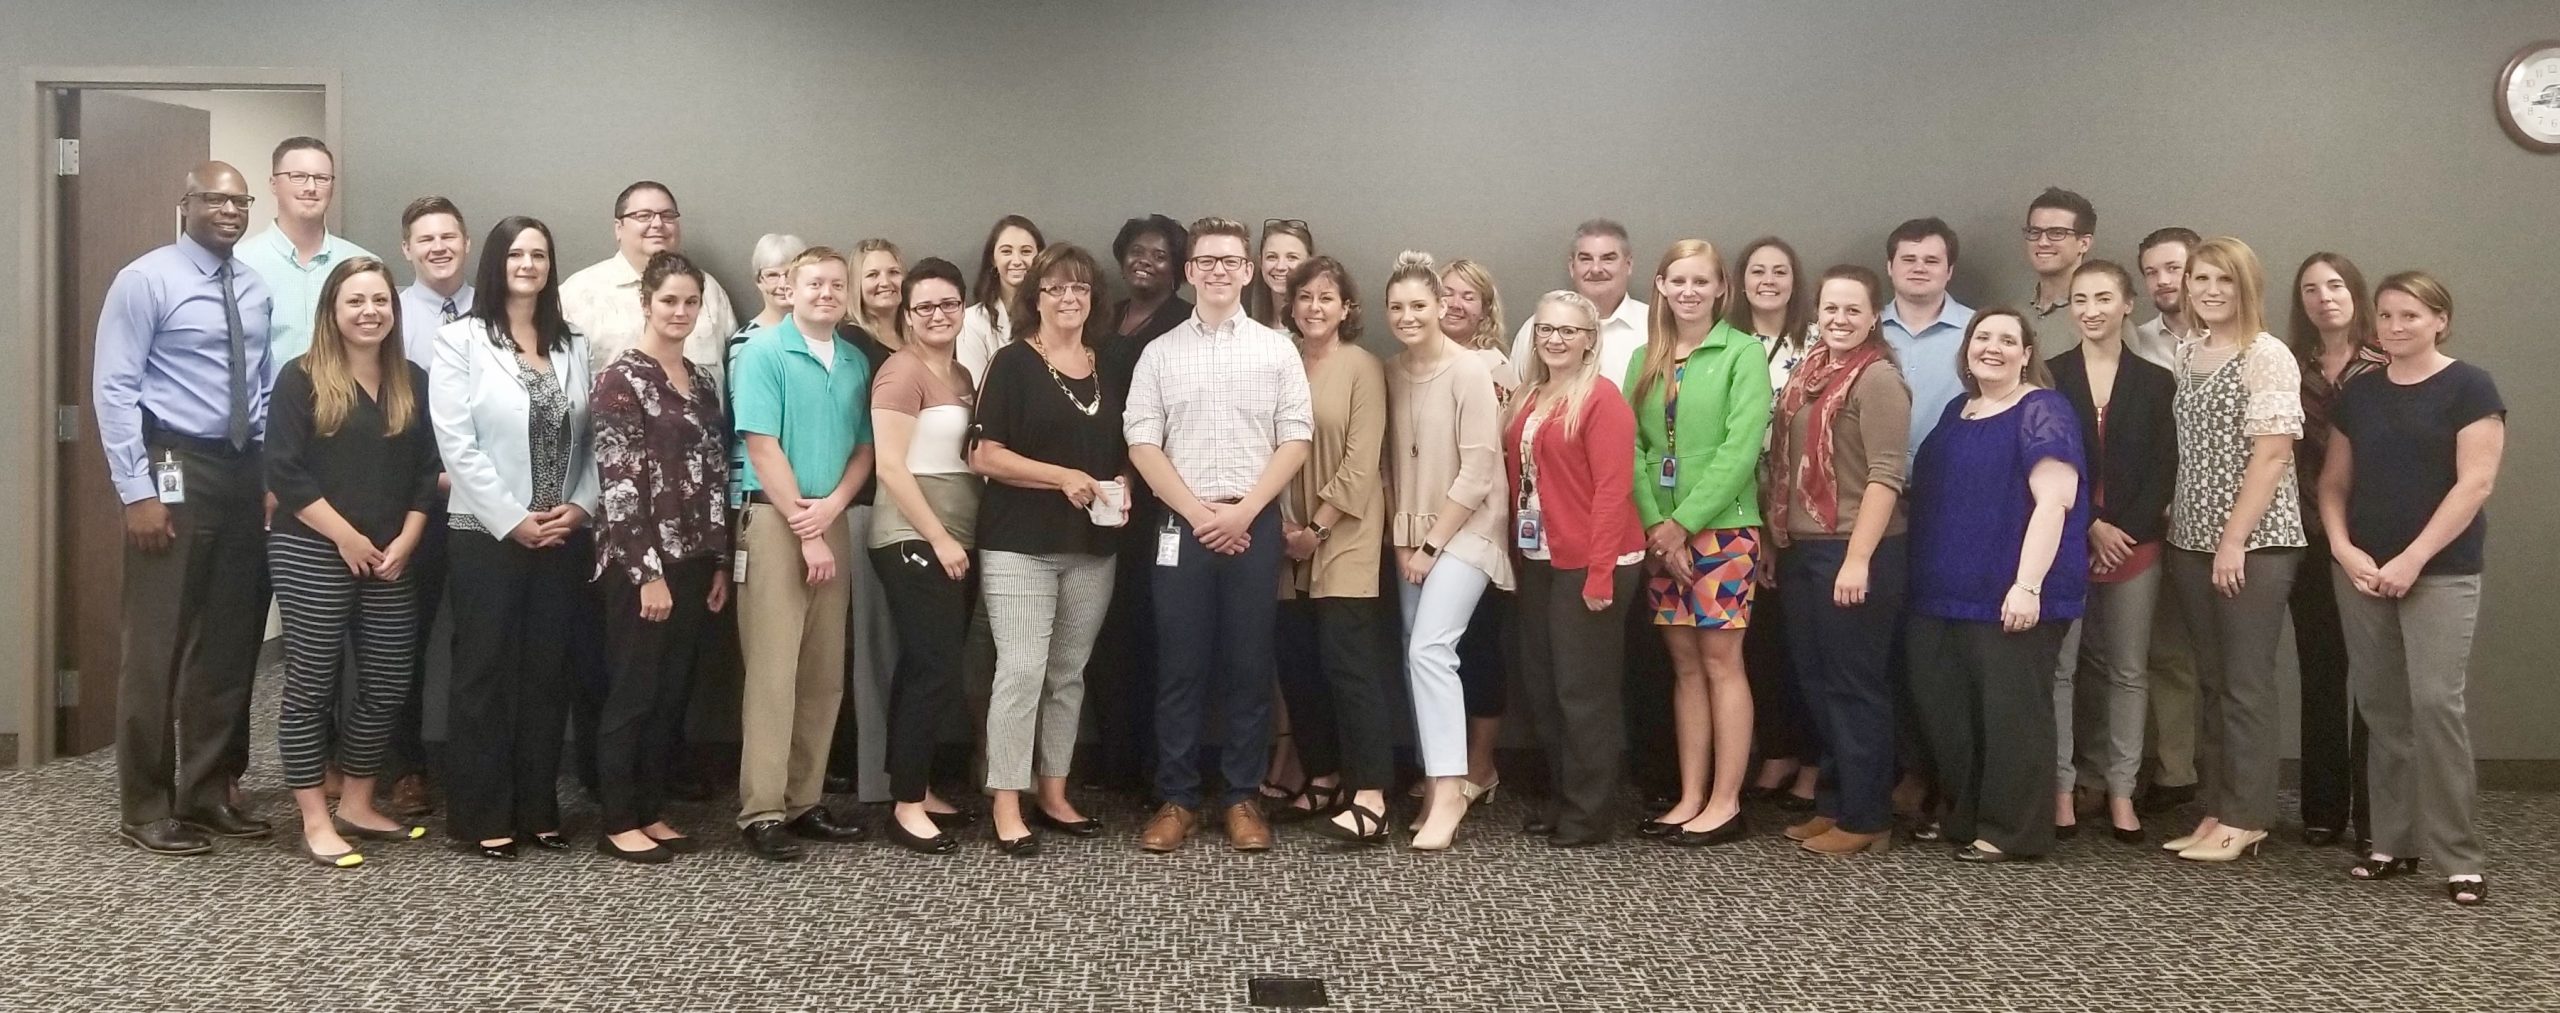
pixel 1572 487
pixel 1701 397
pixel 1286 243
pixel 2235 537
pixel 351 462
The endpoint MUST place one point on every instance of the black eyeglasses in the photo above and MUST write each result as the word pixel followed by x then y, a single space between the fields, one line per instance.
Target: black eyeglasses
pixel 219 200
pixel 943 307
pixel 1544 331
pixel 2052 235
pixel 321 179
pixel 650 217
pixel 1214 263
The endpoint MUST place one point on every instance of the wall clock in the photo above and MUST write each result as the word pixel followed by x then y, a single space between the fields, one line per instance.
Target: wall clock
pixel 2529 97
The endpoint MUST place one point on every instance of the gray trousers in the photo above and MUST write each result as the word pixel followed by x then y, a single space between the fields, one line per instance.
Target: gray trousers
pixel 194 616
pixel 2235 651
pixel 2112 641
pixel 2408 660
pixel 1044 611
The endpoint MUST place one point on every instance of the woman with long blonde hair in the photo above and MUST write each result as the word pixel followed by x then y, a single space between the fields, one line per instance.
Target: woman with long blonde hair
pixel 1471 315
pixel 1701 397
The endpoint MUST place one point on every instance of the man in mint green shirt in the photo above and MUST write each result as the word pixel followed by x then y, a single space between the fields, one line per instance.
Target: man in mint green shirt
pixel 294 256
pixel 803 404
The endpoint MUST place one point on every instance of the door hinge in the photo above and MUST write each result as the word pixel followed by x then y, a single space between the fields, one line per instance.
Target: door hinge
pixel 66 423
pixel 66 156
pixel 66 687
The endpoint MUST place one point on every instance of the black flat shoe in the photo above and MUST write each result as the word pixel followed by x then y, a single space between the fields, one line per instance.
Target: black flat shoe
pixel 1367 828
pixel 406 833
pixel 2467 892
pixel 769 841
pixel 2320 837
pixel 1540 826
pixel 2162 798
pixel 938 844
pixel 1977 856
pixel 1789 801
pixel 224 821
pixel 2371 869
pixel 655 854
pixel 817 824
pixel 495 852
pixel 166 837
pixel 1723 833
pixel 1024 846
pixel 2065 831
pixel 1087 827
pixel 679 845
pixel 2133 836
pixel 348 859
pixel 951 820
pixel 1320 801
pixel 551 842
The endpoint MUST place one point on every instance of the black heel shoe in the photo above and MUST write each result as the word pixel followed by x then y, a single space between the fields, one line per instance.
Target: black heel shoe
pixel 1367 828
pixel 2133 836
pixel 2371 868
pixel 1723 833
pixel 495 852
pixel 2065 831
pixel 2467 892
pixel 938 844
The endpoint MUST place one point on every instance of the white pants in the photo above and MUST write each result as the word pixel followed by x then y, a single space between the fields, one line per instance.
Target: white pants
pixel 1435 616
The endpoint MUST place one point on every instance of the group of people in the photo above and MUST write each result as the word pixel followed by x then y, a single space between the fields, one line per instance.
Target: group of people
pixel 1837 524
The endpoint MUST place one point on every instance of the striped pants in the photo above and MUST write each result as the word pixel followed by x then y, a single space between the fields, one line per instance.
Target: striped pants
pixel 322 605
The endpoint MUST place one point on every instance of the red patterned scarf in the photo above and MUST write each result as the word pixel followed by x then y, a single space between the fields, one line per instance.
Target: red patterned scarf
pixel 1822 381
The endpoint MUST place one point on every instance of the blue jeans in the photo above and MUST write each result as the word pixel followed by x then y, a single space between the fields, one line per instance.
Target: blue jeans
pixel 1844 661
pixel 1214 617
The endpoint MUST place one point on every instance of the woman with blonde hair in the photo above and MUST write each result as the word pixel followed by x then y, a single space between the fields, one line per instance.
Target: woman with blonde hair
pixel 1572 488
pixel 1701 397
pixel 880 280
pixel 1471 315
pixel 1286 243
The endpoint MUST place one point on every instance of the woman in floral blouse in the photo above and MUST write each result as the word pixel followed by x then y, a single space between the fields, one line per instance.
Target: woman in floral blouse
pixel 660 454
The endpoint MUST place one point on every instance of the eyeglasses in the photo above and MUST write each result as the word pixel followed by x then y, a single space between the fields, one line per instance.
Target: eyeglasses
pixel 945 307
pixel 1206 264
pixel 1269 224
pixel 769 274
pixel 2053 235
pixel 1062 290
pixel 320 179
pixel 217 200
pixel 651 217
pixel 1544 331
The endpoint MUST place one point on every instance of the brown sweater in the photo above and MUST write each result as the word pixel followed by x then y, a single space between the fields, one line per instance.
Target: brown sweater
pixel 1867 446
pixel 1349 391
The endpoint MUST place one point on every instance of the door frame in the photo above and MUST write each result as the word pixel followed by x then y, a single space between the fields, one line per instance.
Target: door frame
pixel 27 675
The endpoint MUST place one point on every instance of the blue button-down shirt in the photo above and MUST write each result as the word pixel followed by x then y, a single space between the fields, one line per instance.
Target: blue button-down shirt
pixel 295 283
pixel 164 348
pixel 1928 357
pixel 421 315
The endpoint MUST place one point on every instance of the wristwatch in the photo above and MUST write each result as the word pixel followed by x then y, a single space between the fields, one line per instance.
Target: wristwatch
pixel 1322 532
pixel 1431 550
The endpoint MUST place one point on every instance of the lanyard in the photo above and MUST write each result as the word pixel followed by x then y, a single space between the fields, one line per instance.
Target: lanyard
pixel 1671 412
pixel 1528 459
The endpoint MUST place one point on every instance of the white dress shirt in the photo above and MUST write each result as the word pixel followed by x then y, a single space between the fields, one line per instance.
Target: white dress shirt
pixel 980 336
pixel 603 303
pixel 1621 339
pixel 1219 401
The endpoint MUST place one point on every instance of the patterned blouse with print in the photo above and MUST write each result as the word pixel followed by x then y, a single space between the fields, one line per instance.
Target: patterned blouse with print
pixel 664 464
pixel 2226 399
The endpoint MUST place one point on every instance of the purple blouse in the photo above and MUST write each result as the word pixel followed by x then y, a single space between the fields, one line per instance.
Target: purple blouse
pixel 1969 506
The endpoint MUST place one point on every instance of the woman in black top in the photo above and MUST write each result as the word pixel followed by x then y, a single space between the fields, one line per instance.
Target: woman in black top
pixel 2411 460
pixel 2123 404
pixel 352 464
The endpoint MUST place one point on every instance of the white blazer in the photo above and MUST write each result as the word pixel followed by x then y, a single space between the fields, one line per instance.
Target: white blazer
pixel 480 412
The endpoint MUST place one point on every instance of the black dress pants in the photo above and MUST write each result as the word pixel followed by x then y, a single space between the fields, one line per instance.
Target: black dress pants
pixel 652 664
pixel 1337 662
pixel 1570 681
pixel 1120 679
pixel 932 613
pixel 1986 703
pixel 2333 767
pixel 1651 755
pixel 511 630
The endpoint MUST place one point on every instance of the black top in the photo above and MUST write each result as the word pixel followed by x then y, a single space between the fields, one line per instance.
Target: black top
pixel 877 354
pixel 2402 439
pixel 2134 467
pixel 372 480
pixel 1022 408
pixel 1119 365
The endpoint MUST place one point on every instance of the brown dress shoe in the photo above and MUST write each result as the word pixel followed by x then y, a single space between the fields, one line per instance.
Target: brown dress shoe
pixel 409 797
pixel 1810 829
pixel 1167 828
pixel 1841 842
pixel 1246 830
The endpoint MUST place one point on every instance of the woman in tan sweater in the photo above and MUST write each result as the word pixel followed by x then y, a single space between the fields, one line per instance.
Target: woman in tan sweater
pixel 1444 464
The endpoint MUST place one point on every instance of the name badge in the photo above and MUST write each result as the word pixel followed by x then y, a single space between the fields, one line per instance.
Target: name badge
pixel 1670 472
pixel 169 476
pixel 1168 544
pixel 1527 532
pixel 738 567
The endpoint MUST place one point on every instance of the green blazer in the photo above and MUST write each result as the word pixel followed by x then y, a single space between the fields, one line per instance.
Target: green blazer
pixel 1723 417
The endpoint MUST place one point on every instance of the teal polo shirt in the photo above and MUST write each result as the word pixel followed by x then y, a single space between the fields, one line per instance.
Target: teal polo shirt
pixel 821 416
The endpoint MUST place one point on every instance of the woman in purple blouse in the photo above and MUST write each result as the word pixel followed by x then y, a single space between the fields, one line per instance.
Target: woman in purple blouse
pixel 1999 569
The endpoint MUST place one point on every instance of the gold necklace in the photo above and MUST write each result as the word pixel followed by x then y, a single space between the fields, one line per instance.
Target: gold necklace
pixel 1089 408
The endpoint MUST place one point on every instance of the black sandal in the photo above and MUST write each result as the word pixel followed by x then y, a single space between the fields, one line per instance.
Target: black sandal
pixel 1320 801
pixel 2467 892
pixel 2372 869
pixel 1368 828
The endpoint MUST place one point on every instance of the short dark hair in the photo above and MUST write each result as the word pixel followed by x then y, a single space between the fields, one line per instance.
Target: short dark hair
pixel 1918 229
pixel 431 204
pixel 2084 215
pixel 2178 234
pixel 298 143
pixel 928 269
pixel 663 265
pixel 623 199
pixel 1177 243
pixel 1320 266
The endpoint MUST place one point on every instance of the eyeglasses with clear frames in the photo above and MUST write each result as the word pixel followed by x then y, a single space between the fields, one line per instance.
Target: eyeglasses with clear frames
pixel 1064 289
pixel 937 308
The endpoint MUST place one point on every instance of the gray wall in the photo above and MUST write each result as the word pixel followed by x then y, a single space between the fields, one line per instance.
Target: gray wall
pixel 1482 129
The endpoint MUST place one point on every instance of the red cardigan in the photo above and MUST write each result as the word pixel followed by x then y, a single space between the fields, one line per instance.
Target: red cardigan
pixel 1586 486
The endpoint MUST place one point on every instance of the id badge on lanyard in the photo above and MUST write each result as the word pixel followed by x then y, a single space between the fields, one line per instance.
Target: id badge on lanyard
pixel 1671 428
pixel 169 478
pixel 1168 542
pixel 1527 530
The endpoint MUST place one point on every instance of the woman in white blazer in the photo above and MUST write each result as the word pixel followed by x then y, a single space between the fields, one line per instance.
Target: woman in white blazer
pixel 508 395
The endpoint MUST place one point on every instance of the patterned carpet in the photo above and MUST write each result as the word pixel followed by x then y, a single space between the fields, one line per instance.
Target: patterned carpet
pixel 1501 923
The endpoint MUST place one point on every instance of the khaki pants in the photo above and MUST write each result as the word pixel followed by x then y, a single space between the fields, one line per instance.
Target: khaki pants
pixel 791 639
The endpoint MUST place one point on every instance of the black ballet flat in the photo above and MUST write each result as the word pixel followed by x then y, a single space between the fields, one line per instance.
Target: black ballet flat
pixel 2133 836
pixel 2372 869
pixel 1791 802
pixel 1024 846
pixel 1731 830
pixel 495 852
pixel 1976 856
pixel 2065 831
pixel 2320 837
pixel 551 842
pixel 679 845
pixel 938 844
pixel 951 820
pixel 655 854
pixel 1073 828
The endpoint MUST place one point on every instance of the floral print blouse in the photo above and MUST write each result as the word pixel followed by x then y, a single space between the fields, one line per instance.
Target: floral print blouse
pixel 664 464
pixel 2225 400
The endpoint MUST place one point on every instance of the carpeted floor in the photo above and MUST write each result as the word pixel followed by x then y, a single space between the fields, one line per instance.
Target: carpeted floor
pixel 1501 923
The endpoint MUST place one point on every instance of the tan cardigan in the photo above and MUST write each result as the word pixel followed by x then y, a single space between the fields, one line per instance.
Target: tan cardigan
pixel 1444 442
pixel 1349 391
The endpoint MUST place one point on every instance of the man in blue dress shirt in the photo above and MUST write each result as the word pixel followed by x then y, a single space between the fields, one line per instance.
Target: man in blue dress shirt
pixel 182 377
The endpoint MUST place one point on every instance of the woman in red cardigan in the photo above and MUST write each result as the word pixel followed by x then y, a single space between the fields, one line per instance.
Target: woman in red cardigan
pixel 1574 522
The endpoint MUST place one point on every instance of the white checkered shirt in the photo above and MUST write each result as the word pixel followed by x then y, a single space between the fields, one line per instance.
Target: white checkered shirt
pixel 1219 401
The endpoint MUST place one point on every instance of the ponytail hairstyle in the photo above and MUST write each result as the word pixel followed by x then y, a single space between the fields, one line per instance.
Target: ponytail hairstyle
pixel 2429 292
pixel 1875 288
pixel 1664 332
